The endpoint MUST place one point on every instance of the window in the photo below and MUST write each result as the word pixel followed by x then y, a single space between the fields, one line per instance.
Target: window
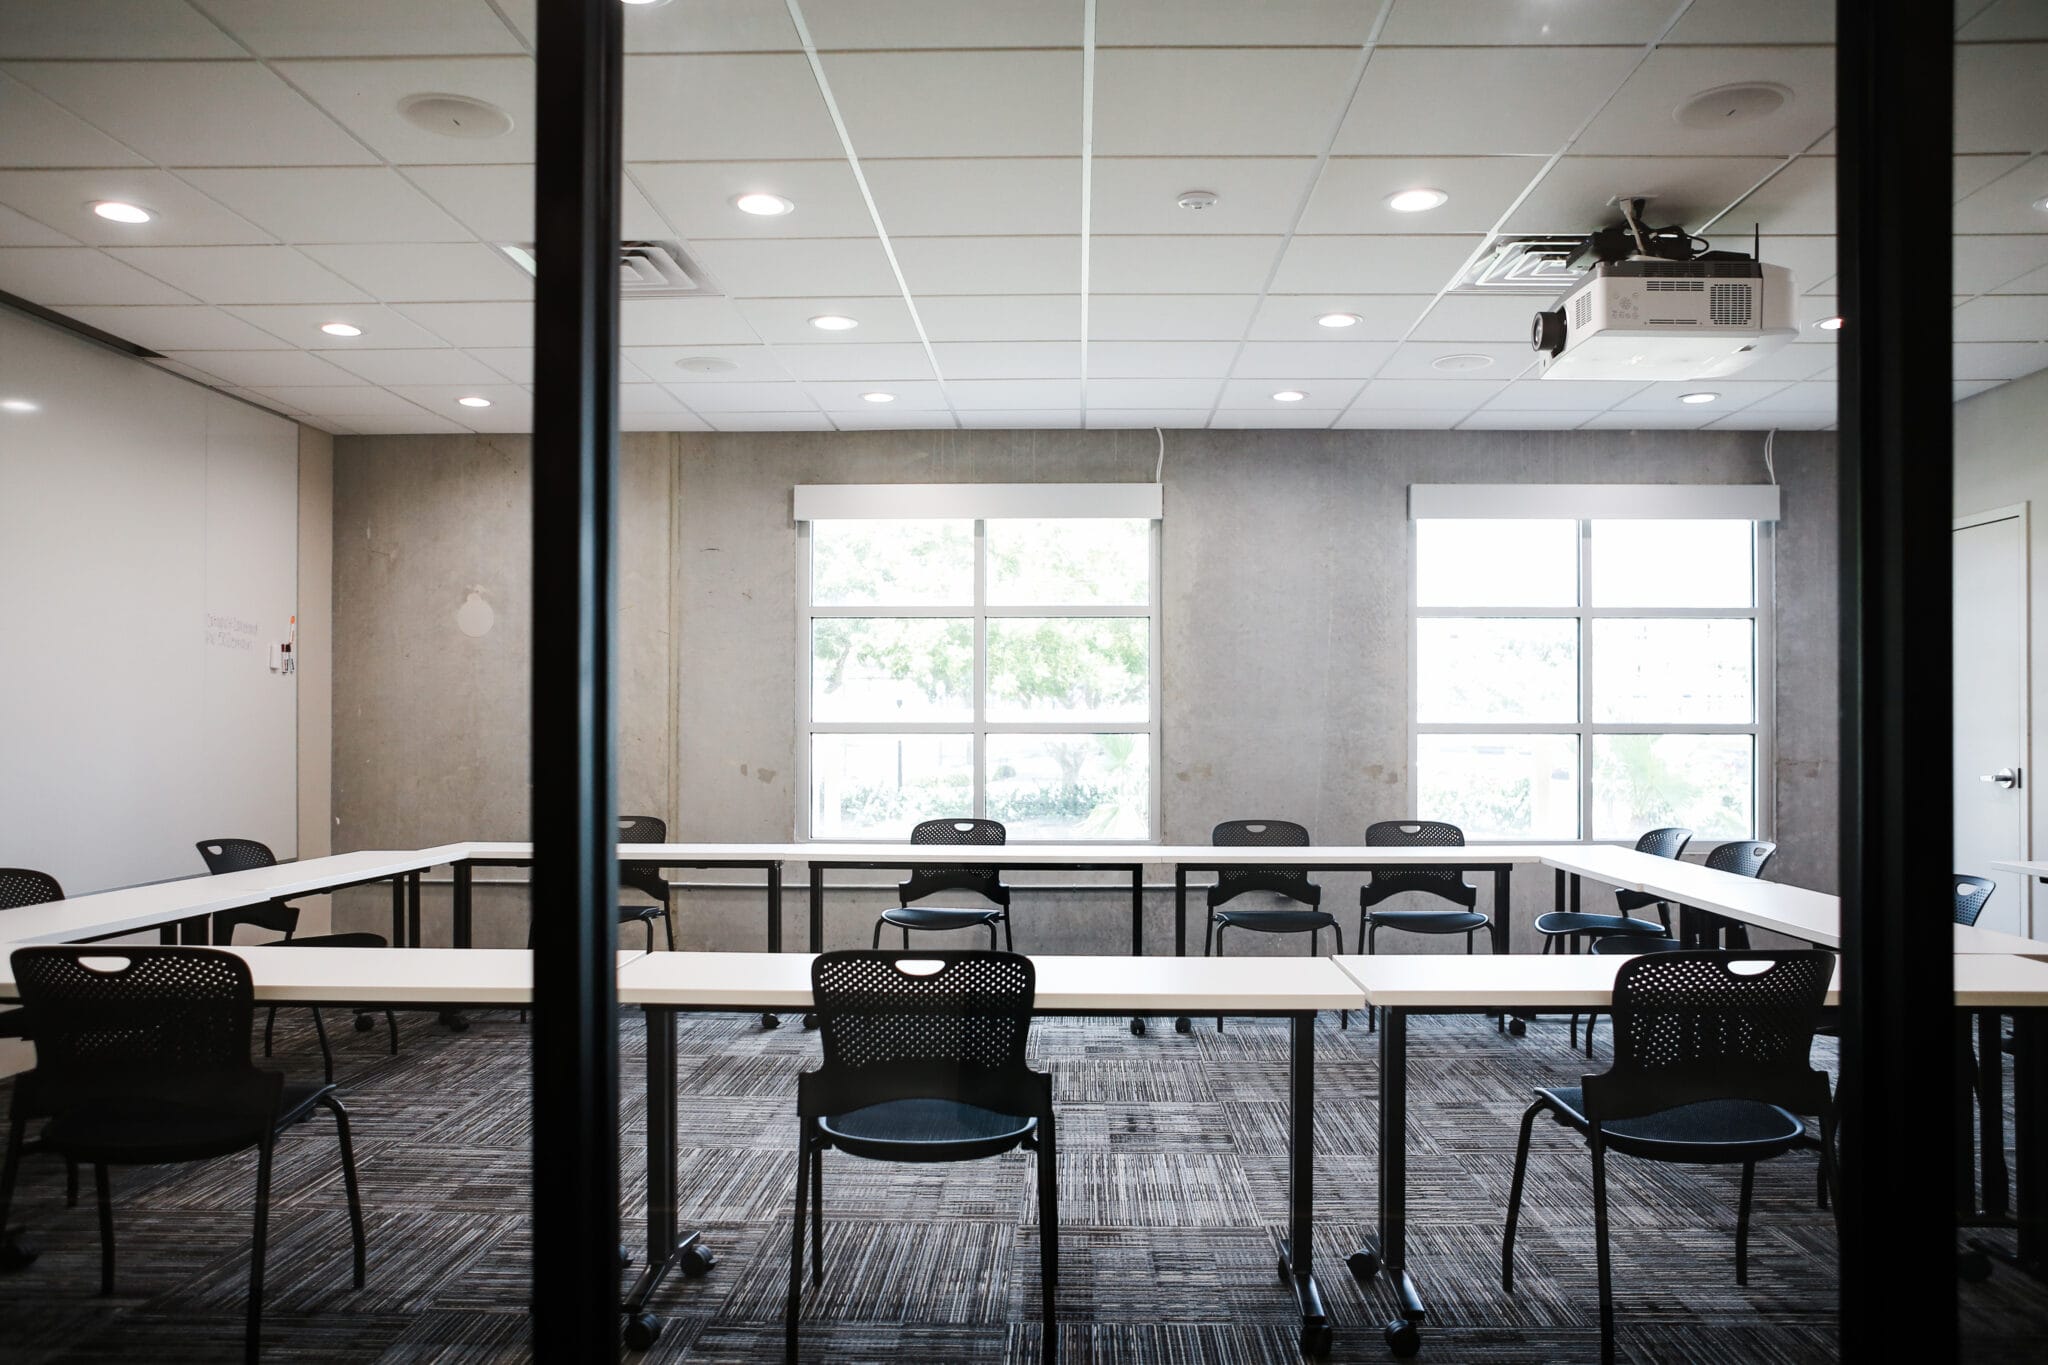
pixel 1003 667
pixel 1590 677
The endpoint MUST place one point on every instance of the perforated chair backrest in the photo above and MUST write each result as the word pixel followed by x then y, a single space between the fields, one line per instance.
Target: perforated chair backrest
pixel 1292 883
pixel 235 855
pixel 986 882
pixel 1744 857
pixel 21 886
pixel 1971 893
pixel 1665 843
pixel 643 829
pixel 1446 882
pixel 937 1025
pixel 1702 1025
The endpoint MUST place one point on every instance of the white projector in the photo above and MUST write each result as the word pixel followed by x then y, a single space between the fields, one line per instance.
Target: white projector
pixel 1655 319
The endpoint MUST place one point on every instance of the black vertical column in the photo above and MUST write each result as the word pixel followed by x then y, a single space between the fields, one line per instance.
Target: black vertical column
pixel 575 865
pixel 1894 82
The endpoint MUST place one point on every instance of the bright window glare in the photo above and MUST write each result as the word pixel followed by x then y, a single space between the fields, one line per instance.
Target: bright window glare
pixel 1668 671
pixel 1496 563
pixel 1092 786
pixel 1704 783
pixel 1500 786
pixel 889 669
pixel 892 563
pixel 1069 668
pixel 1492 671
pixel 1036 563
pixel 878 786
pixel 1673 564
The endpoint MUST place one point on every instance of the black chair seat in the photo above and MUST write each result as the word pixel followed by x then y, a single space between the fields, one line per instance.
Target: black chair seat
pixel 1713 1131
pixel 1630 945
pixel 926 1130
pixel 140 1131
pixel 1430 921
pixel 1278 921
pixel 337 941
pixel 939 917
pixel 1568 922
pixel 636 914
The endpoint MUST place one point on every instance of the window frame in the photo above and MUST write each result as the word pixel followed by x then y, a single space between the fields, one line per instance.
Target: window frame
pixel 1760 612
pixel 979 612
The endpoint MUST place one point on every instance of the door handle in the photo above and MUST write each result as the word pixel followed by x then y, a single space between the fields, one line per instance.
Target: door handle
pixel 2008 778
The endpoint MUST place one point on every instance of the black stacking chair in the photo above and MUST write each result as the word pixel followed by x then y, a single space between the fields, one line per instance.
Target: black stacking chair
pixel 644 877
pixel 363 1022
pixel 1744 858
pixel 21 886
pixel 924 1061
pixel 1711 1067
pixel 986 882
pixel 1569 927
pixel 1448 883
pixel 147 1062
pixel 1971 893
pixel 241 855
pixel 1279 881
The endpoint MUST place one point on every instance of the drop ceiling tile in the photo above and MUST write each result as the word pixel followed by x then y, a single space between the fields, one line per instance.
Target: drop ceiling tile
pixel 798 267
pixel 1781 421
pixel 848 395
pixel 415 423
pixel 486 324
pixel 239 274
pixel 1501 419
pixel 184 371
pixel 364 28
pixel 1811 310
pixel 1229 23
pixel 1156 317
pixel 496 202
pixel 1006 196
pixel 162 29
pixel 679 420
pixel 2035 283
pixel 881 360
pixel 1489 23
pixel 18 229
pixel 1170 418
pixel 1970 388
pixel 1664 395
pixel 992 265
pixel 1686 190
pixel 726 396
pixel 647 398
pixel 1999 359
pixel 1273 416
pixel 337 204
pixel 1291 360
pixel 2005 21
pixel 35 132
pixel 1814 397
pixel 859 24
pixel 1381 317
pixel 2007 204
pixel 894 417
pixel 962 104
pixel 1509 99
pixel 299 324
pixel 442 398
pixel 1418 360
pixel 1372 265
pixel 1014 395
pixel 1209 360
pixel 728 26
pixel 697 197
pixel 178 328
pixel 366 97
pixel 427 273
pixel 1139 195
pixel 1009 359
pixel 769 421
pixel 1757 21
pixel 1798 199
pixel 1646 421
pixel 198 113
pixel 1801 360
pixel 340 400
pixel 1399 419
pixel 394 368
pixel 264 369
pixel 1428 394
pixel 1973 173
pixel 1479 317
pixel 787 321
pixel 1640 119
pixel 1351 195
pixel 1237 102
pixel 1174 265
pixel 184 217
pixel 1323 394
pixel 1562 395
pixel 2003 263
pixel 1810 259
pixel 512 362
pixel 1152 395
pixel 1998 98
pixel 1000 317
pixel 748 363
pixel 1022 419
pixel 1999 317
pixel 726 108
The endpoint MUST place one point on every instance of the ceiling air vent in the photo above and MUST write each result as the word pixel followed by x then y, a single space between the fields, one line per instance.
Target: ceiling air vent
pixel 1523 265
pixel 647 270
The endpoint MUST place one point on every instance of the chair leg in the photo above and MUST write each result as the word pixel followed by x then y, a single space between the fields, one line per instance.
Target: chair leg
pixel 1009 942
pixel 991 936
pixel 1048 1233
pixel 391 1020
pixel 796 1249
pixel 348 1181
pixel 1507 1241
pixel 1370 932
pixel 106 1202
pixel 253 1351
pixel 326 1053
pixel 269 1028
pixel 648 925
pixel 668 931
pixel 1219 952
pixel 11 1168
pixel 70 1185
pixel 876 945
pixel 906 938
pixel 1606 1271
pixel 1742 1223
pixel 1343 1016
pixel 1828 1174
pixel 818 1217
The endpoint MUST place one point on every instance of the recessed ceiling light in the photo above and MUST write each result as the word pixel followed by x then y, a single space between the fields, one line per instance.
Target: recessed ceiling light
pixel 18 405
pixel 455 116
pixel 1339 320
pixel 759 204
pixel 1197 200
pixel 473 401
pixel 1289 396
pixel 1466 360
pixel 644 3
pixel 1833 324
pixel 833 322
pixel 878 397
pixel 707 364
pixel 341 329
pixel 1417 201
pixel 1697 397
pixel 114 211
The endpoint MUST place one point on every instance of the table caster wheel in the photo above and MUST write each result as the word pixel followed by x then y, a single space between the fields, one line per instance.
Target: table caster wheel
pixel 1363 1264
pixel 1137 1028
pixel 769 1021
pixel 1402 1338
pixel 1316 1340
pixel 1183 1024
pixel 696 1261
pixel 454 1021
pixel 1973 1267
pixel 364 1023
pixel 16 1254
pixel 1518 1028
pixel 1286 1271
pixel 642 1331
pixel 810 1020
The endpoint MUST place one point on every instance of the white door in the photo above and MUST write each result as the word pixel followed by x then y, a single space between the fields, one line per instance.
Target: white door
pixel 1990 654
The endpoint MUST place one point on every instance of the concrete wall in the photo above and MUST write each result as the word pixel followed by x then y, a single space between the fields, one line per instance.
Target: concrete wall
pixel 1283 599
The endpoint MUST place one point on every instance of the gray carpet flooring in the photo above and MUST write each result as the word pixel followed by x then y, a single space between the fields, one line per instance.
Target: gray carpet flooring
pixel 1172 1176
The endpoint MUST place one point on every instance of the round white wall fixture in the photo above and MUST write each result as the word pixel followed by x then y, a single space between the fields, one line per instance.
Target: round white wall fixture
pixel 455 116
pixel 1727 105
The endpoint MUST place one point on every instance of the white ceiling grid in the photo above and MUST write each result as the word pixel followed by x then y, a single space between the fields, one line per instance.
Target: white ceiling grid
pixel 988 188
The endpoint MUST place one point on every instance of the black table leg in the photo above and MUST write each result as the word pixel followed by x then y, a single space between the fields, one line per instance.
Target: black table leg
pixel 1991 1107
pixel 398 911
pixel 1297 1249
pixel 412 910
pixel 1402 1334
pixel 666 1251
pixel 1181 1023
pixel 465 888
pixel 1502 929
pixel 774 870
pixel 1138 930
pixel 817 926
pixel 2030 1131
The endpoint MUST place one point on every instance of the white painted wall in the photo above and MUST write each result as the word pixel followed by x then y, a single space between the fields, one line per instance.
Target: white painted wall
pixel 149 560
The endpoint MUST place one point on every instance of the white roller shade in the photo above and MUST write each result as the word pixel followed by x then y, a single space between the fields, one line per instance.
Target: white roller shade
pixel 1598 501
pixel 891 501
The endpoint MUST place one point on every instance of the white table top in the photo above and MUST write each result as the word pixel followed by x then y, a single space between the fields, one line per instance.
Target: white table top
pixel 1042 855
pixel 378 976
pixel 1140 985
pixel 1970 939
pixel 2024 869
pixel 1813 916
